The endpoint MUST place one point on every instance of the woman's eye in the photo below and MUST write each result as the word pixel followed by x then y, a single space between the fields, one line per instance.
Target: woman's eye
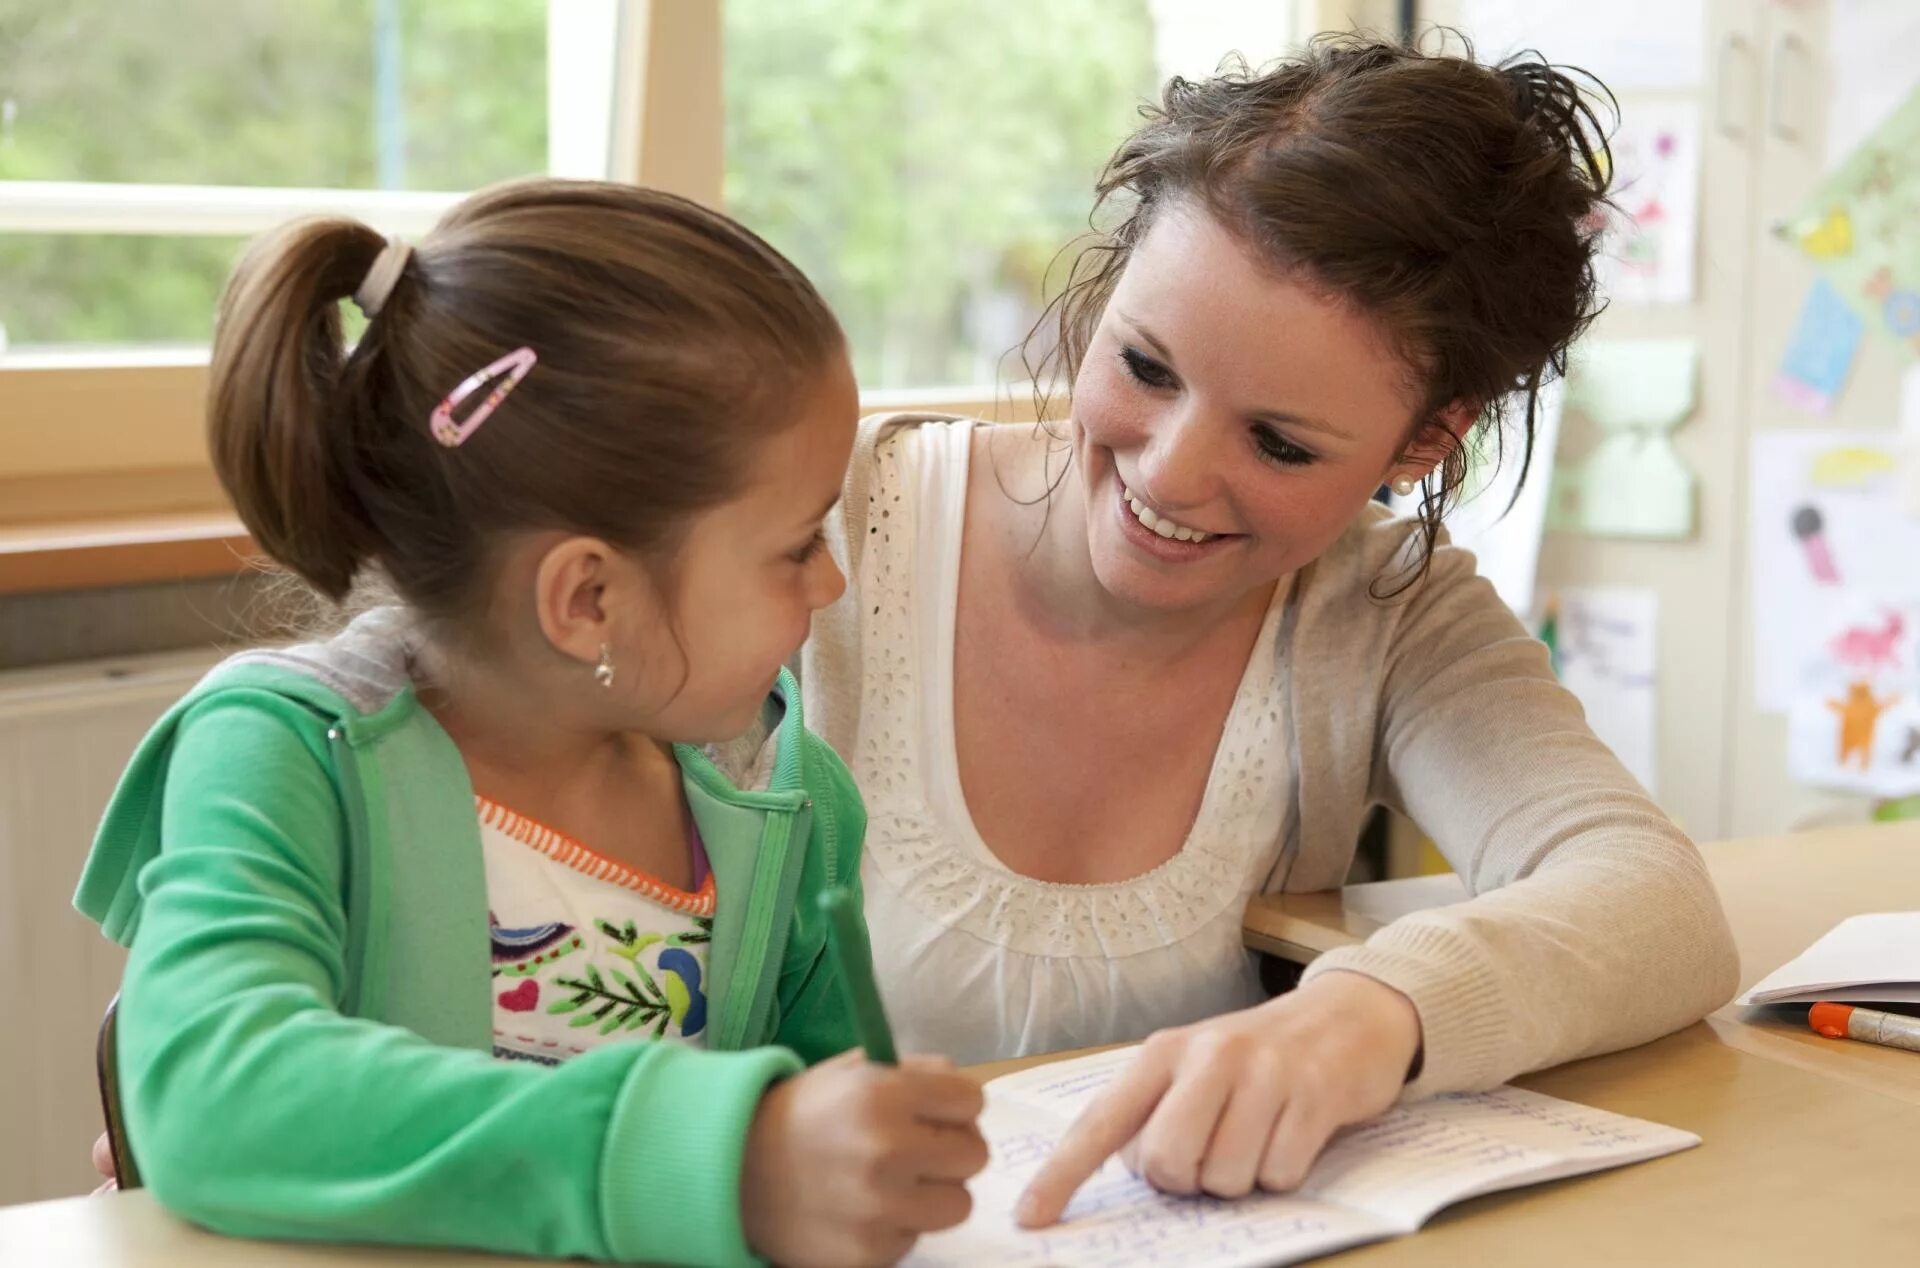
pixel 1145 369
pixel 1277 449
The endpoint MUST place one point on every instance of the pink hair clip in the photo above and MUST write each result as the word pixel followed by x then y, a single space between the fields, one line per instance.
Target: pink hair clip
pixel 514 366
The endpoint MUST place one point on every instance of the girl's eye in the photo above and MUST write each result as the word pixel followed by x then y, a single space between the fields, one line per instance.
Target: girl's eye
pixel 814 546
pixel 1145 369
pixel 1277 449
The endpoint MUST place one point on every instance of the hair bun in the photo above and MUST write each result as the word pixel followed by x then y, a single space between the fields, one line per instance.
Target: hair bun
pixel 1554 100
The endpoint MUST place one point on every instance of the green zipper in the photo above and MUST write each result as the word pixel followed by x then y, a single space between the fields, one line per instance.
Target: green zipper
pixel 768 908
pixel 366 926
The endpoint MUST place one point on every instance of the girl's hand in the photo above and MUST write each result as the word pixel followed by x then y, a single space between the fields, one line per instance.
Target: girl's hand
pixel 103 1163
pixel 1242 1100
pixel 848 1163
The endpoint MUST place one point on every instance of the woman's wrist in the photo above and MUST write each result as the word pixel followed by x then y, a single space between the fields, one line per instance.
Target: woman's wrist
pixel 1381 1017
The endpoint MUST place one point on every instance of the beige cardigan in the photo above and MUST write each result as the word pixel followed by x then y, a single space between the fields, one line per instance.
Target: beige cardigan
pixel 1594 925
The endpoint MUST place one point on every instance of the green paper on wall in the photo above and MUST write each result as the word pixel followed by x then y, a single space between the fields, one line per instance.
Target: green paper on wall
pixel 1633 483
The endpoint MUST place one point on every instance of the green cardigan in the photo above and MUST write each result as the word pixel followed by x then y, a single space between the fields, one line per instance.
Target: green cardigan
pixel 305 1026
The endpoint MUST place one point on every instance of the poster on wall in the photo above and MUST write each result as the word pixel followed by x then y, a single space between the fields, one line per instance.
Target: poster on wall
pixel 1861 228
pixel 1648 253
pixel 1836 602
pixel 1605 653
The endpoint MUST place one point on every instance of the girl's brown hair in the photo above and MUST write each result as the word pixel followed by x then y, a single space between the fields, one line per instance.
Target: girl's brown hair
pixel 1453 203
pixel 669 340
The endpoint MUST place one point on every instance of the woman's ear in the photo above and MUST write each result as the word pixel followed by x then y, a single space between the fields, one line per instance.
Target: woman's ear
pixel 1439 436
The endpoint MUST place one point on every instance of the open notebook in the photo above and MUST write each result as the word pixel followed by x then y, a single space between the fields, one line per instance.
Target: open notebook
pixel 1376 1180
pixel 1861 960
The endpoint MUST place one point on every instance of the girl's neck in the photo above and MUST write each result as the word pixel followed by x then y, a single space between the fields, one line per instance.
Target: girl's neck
pixel 523 745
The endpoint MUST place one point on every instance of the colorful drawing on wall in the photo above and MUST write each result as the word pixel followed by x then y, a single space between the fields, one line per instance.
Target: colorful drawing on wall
pixel 1852 466
pixel 1861 226
pixel 1820 355
pixel 1810 530
pixel 1835 583
pixel 1854 724
pixel 1870 649
pixel 1859 715
pixel 1648 255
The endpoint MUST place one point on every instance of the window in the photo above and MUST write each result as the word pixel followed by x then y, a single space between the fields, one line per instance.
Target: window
pixel 926 160
pixel 102 97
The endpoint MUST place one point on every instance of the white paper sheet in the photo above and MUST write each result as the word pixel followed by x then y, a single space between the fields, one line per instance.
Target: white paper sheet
pixel 1506 543
pixel 1607 654
pixel 1872 957
pixel 1649 254
pixel 1627 43
pixel 1830 551
pixel 1872 66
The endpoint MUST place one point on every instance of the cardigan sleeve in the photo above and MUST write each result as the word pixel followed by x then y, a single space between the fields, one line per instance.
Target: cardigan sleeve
pixel 1594 925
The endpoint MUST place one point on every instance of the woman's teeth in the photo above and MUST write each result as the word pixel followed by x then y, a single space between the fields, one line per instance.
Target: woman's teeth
pixel 1159 524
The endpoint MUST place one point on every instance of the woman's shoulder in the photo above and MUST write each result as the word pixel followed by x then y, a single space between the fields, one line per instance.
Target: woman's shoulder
pixel 1375 566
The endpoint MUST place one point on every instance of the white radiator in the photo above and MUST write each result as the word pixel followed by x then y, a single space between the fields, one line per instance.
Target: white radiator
pixel 65 735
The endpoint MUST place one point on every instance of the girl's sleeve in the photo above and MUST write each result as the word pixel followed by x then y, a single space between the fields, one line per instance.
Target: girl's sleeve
pixel 256 1108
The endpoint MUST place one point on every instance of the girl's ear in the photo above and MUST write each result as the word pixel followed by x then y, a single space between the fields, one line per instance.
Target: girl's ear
pixel 578 586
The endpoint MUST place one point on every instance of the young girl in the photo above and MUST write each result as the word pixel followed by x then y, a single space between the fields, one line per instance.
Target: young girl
pixel 445 930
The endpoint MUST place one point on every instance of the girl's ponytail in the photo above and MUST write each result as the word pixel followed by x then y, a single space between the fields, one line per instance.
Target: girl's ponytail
pixel 281 431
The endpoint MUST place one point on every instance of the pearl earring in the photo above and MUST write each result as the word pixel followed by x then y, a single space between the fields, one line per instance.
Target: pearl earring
pixel 1403 485
pixel 603 672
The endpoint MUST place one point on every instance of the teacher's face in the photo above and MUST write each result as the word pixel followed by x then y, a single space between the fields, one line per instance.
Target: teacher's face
pixel 1229 423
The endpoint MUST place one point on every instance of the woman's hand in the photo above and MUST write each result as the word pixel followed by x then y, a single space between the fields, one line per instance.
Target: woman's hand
pixel 848 1163
pixel 1244 1100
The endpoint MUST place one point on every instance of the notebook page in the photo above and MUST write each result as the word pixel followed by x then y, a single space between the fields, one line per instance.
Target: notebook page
pixel 1376 1179
pixel 1117 1221
pixel 1415 1159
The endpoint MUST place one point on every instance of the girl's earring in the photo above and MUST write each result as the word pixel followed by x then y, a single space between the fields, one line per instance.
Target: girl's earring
pixel 1403 485
pixel 603 672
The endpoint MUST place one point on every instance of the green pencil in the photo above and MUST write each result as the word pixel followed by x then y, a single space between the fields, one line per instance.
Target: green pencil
pixel 853 957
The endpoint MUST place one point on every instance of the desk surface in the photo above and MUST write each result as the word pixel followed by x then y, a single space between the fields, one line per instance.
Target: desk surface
pixel 1781 893
pixel 1796 1168
pixel 1810 1149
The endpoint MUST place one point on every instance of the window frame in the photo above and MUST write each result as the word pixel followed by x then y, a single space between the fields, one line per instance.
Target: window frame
pixel 106 478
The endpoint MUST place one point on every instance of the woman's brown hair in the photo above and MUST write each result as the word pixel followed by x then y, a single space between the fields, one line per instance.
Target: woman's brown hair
pixel 1453 203
pixel 669 338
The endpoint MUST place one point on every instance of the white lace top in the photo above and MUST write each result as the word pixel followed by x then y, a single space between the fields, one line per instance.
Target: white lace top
pixel 980 962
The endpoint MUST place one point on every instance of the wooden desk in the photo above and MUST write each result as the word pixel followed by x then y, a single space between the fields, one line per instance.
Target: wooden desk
pixel 1796 1168
pixel 1780 893
pixel 1811 1145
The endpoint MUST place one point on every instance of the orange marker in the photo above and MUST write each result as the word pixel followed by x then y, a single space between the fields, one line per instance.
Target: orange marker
pixel 1844 1021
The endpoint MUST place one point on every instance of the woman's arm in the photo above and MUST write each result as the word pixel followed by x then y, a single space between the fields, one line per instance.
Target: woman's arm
pixel 1594 925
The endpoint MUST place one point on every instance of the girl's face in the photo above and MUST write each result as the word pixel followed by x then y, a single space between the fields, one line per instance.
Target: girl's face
pixel 746 581
pixel 1228 423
